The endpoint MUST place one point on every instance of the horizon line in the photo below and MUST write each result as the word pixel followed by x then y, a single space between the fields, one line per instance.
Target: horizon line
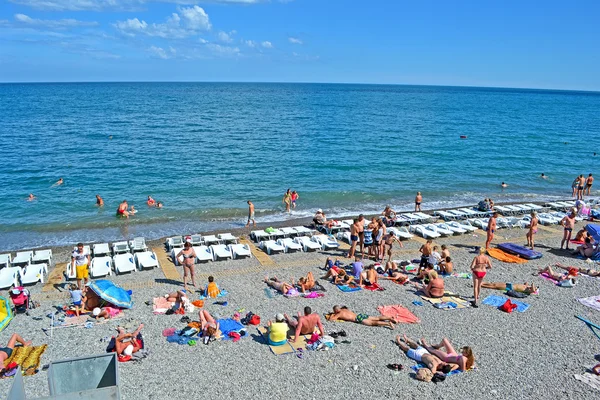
pixel 306 83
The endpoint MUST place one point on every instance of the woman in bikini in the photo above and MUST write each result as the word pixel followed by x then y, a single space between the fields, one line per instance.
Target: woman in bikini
pixel 532 229
pixel 208 325
pixel 287 200
pixel 568 223
pixel 465 360
pixel 187 258
pixel 481 263
pixel 573 270
pixel 435 287
pixel 283 287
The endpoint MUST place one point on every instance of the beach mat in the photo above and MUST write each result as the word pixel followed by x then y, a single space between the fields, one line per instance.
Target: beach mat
pixel 592 302
pixel 520 251
pixel 286 348
pixel 29 358
pixel 348 288
pixel 418 366
pixel 497 301
pixel 589 379
pixel 222 293
pixel 505 257
pixel 449 297
pixel 399 313
pixel 229 325
pixel 463 275
pixel 374 287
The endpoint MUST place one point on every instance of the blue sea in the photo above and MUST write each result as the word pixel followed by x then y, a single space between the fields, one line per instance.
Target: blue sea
pixel 203 149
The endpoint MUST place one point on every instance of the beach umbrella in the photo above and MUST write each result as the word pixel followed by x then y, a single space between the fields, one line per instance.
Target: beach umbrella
pixel 112 293
pixel 6 314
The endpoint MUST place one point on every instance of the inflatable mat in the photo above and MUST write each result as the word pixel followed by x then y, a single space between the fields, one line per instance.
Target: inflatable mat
pixel 520 251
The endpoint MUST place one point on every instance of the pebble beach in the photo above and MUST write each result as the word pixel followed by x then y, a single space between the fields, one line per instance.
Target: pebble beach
pixel 526 355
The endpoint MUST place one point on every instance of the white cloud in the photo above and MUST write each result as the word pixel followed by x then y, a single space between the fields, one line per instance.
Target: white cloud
pixel 191 21
pixel 52 23
pixel 294 40
pixel 99 5
pixel 226 37
pixel 223 50
pixel 267 45
pixel 249 43
pixel 162 53
pixel 203 41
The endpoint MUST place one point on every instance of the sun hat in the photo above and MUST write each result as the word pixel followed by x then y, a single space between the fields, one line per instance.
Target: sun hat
pixel 279 317
pixel 96 311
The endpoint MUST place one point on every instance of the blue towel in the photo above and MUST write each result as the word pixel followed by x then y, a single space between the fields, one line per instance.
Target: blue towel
pixel 346 288
pixel 271 293
pixel 419 366
pixel 223 293
pixel 229 325
pixel 178 339
pixel 497 301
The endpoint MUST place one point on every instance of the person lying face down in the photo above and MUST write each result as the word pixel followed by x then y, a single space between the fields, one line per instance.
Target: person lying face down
pixel 345 314
pixel 527 288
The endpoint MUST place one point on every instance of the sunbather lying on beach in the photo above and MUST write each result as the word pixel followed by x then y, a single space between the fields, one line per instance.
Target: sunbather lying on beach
pixel 6 352
pixel 305 324
pixel 208 326
pixel 557 276
pixel 306 283
pixel 345 314
pixel 127 343
pixel 394 273
pixel 420 354
pixel 283 287
pixel 528 288
pixel 175 297
pixel 575 270
pixel 435 287
pixel 464 360
pixel 338 276
pixel 105 312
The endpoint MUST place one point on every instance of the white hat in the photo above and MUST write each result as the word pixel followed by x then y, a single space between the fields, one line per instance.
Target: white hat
pixel 128 350
pixel 279 317
pixel 96 311
pixel 319 210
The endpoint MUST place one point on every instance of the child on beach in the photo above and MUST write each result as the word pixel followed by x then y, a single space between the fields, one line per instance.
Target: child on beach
pixel 132 210
pixel 212 289
pixel 78 298
pixel 435 258
pixel 295 197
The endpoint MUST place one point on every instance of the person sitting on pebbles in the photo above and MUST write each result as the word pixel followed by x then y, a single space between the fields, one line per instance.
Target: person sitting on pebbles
pixel 305 324
pixel 282 287
pixel 368 276
pixel 209 326
pixel 343 313
pixel 434 288
pixel 127 344
pixel 307 282
pixel 278 331
pixel 421 355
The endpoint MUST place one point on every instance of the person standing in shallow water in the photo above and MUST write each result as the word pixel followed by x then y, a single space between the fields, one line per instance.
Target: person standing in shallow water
pixel 99 201
pixel 418 201
pixel 287 200
pixel 250 214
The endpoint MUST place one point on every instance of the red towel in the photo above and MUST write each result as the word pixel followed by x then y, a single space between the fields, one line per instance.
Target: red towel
pixel 399 313
pixel 373 287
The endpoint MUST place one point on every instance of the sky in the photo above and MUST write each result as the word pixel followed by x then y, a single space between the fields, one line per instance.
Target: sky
pixel 544 44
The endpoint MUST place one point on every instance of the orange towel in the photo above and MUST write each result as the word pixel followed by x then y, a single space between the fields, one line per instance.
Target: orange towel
pixel 503 256
pixel 399 313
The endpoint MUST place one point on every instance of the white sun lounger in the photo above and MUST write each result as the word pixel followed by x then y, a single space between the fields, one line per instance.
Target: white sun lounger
pixel 551 218
pixel 145 260
pixel 465 226
pixel 271 246
pixel 203 254
pixel 458 214
pixel 504 210
pixel 344 237
pixel 5 260
pixel 175 242
pixel 240 250
pixel 560 215
pixel 480 223
pixel 454 229
pixel 445 215
pixel 473 213
pixel 556 206
pixel 196 240
pixel 259 236
pixel 534 207
pixel 415 217
pixel 9 277
pixel 22 259
pixel 210 240
pixel 120 248
pixel 227 238
pixel 101 266
pixel 303 231
pixel 138 244
pixel 523 222
pixel 289 232
pixel 426 217
pixel 307 244
pixel 425 232
pixel 42 257
pixel 400 232
pixel 402 219
pixel 441 231
pixel 33 273
pixel 327 242
pixel 123 262
pixel 220 251
pixel 100 249
pixel 289 245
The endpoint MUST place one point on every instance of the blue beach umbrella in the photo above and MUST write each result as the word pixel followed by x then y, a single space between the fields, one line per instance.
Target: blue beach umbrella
pixel 112 293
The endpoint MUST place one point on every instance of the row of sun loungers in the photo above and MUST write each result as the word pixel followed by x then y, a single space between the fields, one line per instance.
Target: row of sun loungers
pixel 300 243
pixel 222 246
pixel 27 267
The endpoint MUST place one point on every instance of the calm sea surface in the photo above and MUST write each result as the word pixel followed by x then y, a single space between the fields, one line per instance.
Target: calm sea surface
pixel 203 149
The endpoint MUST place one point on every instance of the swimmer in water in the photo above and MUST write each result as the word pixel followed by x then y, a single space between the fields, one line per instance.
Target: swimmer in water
pixel 503 185
pixel 151 202
pixel 31 197
pixel 122 210
pixel 59 182
pixel 159 205
pixel 132 210
pixel 543 176
pixel 99 201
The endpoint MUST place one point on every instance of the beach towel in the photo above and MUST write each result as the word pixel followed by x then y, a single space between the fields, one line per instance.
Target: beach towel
pixel 312 295
pixel 505 257
pixel 590 379
pixel 29 358
pixel 347 288
pixel 374 287
pixel 160 305
pixel 271 293
pixel 286 348
pixel 498 301
pixel 592 302
pixel 455 372
pixel 520 251
pixel 399 313
pixel 464 275
pixel 226 326
pixel 450 299
pixel 223 293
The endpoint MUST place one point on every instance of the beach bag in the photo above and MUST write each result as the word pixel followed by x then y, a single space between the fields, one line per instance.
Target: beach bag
pixel 254 320
pixel 424 374
pixel 508 306
pixel 438 377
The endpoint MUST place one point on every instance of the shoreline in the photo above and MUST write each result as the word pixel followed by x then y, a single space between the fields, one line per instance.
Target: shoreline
pixel 61 252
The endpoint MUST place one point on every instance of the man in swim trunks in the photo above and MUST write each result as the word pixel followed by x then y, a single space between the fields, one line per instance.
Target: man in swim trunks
pixel 421 355
pixel 580 186
pixel 353 237
pixel 574 270
pixel 532 229
pixel 80 259
pixel 425 253
pixel 306 283
pixel 388 242
pixel 389 216
pixel 568 223
pixel 6 352
pixel 522 288
pixel 250 214
pixel 491 229
pixel 305 324
pixel 345 314
pixel 418 200
pixel 588 184
pixel 361 233
pixel 368 276
pixel 99 201
pixel 122 209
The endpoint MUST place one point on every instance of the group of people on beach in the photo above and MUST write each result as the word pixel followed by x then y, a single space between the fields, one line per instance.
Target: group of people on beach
pixel 125 210
pixel 582 186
